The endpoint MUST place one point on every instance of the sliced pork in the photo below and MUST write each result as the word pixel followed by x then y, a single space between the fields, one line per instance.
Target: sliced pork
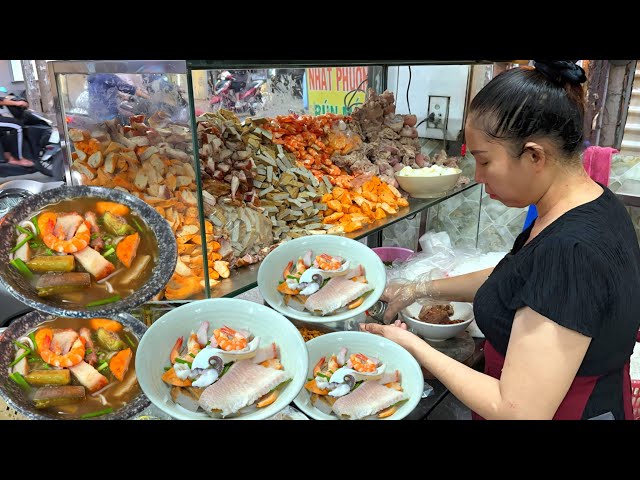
pixel 242 385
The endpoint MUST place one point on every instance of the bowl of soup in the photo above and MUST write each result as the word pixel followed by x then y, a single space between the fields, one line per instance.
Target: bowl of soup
pixel 69 368
pixel 85 252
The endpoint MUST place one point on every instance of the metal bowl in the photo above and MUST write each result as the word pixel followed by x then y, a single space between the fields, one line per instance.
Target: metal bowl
pixel 20 288
pixel 17 399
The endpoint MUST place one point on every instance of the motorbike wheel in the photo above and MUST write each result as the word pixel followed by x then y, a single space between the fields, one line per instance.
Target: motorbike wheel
pixel 51 167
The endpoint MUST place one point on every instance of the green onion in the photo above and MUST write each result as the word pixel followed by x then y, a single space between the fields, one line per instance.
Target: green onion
pixel 137 225
pixel 167 368
pixel 280 282
pixel 102 366
pixel 398 403
pixel 291 276
pixel 22 346
pixel 357 384
pixel 15 362
pixel 179 360
pixel 94 236
pixel 34 220
pixel 110 251
pixel 322 375
pixel 280 385
pixel 21 267
pixel 226 368
pixel 128 339
pixel 32 336
pixel 36 244
pixel 88 351
pixel 104 301
pixel 48 251
pixel 19 379
pixel 97 414
pixel 309 379
pixel 108 247
pixel 24 230
pixel 21 243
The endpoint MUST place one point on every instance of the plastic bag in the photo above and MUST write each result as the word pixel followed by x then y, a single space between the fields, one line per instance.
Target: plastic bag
pixel 288 413
pixel 440 259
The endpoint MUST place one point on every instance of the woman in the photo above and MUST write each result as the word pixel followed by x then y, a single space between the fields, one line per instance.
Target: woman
pixel 560 312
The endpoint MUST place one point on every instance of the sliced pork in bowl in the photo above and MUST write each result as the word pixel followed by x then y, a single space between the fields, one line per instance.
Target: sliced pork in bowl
pixel 358 375
pixel 321 278
pixel 222 359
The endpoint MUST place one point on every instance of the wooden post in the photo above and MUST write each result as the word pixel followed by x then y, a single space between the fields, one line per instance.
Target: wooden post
pixel 46 97
pixel 31 85
pixel 597 80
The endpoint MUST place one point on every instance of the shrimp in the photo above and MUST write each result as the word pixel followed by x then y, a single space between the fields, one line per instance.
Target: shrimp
pixel 362 363
pixel 82 237
pixel 175 351
pixel 327 262
pixel 228 339
pixel 73 357
pixel 318 366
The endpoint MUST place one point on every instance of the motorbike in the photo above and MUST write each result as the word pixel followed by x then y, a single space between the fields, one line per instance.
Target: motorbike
pixel 41 142
pixel 249 98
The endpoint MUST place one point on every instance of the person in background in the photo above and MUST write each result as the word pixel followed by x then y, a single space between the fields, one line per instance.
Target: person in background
pixel 560 312
pixel 12 143
pixel 103 94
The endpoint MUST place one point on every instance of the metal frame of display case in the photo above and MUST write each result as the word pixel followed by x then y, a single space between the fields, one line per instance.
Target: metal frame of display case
pixel 88 67
pixel 245 278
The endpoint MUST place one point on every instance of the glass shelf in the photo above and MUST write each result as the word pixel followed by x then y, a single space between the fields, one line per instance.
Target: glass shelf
pixel 246 278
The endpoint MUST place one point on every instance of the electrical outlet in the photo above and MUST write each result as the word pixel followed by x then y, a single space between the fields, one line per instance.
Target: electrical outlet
pixel 438 112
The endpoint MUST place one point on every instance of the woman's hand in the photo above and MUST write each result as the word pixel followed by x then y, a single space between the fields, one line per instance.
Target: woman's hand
pixel 396 332
pixel 399 294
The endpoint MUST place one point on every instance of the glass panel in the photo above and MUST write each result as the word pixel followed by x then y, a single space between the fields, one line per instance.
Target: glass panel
pixel 131 131
pixel 274 141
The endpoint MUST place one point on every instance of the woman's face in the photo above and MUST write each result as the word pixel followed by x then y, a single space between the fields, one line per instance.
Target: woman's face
pixel 507 179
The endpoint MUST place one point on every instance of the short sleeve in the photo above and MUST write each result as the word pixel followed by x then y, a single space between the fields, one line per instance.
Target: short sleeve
pixel 569 284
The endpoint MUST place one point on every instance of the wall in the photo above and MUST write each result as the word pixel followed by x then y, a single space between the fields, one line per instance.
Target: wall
pixel 436 80
pixel 6 78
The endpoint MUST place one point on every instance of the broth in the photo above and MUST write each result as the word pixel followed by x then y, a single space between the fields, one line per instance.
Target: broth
pixel 116 393
pixel 85 275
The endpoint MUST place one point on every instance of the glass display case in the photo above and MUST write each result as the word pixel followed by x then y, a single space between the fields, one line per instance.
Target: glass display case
pixel 238 156
pixel 126 126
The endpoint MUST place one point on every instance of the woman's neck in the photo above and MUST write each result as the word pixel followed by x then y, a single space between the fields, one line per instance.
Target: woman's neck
pixel 568 190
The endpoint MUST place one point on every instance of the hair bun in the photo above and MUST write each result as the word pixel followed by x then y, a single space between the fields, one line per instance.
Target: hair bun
pixel 561 71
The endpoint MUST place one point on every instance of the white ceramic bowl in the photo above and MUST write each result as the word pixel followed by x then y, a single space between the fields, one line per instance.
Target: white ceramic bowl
pixel 155 346
pixel 430 331
pixel 427 187
pixel 271 268
pixel 390 353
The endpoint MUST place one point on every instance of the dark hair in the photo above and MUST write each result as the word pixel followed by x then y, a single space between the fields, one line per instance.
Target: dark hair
pixel 527 103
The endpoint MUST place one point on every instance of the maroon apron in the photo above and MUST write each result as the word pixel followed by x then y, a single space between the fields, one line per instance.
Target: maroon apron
pixel 579 392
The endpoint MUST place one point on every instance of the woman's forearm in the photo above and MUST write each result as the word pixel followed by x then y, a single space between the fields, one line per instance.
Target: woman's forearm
pixel 461 288
pixel 480 392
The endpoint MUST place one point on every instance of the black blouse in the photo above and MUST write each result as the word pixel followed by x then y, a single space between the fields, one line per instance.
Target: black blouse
pixel 582 272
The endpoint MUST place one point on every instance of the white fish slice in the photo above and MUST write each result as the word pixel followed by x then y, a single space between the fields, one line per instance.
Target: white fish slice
pixel 242 385
pixel 368 399
pixel 337 293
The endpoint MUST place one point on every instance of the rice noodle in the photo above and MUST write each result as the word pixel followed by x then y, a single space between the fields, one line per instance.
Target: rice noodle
pixel 26 341
pixel 28 224
pixel 95 394
pixel 109 276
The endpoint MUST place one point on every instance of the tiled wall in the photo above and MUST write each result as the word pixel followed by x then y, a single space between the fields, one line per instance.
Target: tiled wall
pixel 498 225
